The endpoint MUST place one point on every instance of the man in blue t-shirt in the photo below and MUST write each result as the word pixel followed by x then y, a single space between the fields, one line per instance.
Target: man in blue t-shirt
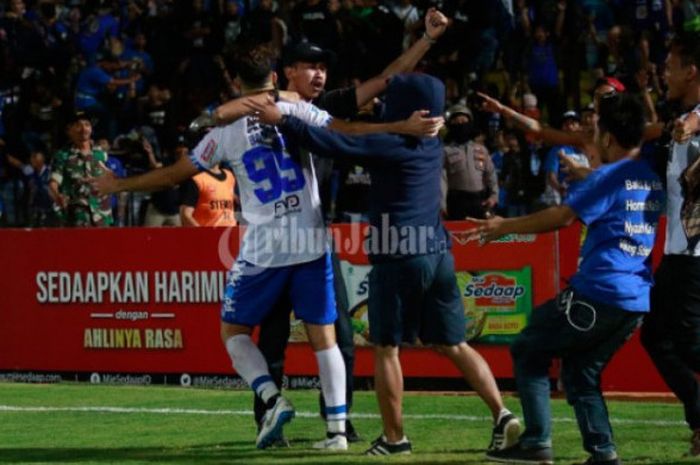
pixel 94 82
pixel 557 185
pixel 585 325
pixel 95 31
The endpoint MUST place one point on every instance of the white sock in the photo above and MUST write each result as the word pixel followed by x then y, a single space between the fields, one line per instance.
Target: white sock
pixel 331 370
pixel 251 366
pixel 504 411
pixel 400 441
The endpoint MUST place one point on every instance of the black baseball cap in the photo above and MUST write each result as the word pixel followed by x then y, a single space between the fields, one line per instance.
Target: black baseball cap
pixel 308 53
pixel 571 114
pixel 76 116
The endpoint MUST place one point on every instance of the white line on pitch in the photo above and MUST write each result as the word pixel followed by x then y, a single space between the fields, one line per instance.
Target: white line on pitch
pixel 183 411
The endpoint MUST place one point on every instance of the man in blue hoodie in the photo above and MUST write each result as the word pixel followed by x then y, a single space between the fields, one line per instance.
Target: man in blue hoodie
pixel 413 289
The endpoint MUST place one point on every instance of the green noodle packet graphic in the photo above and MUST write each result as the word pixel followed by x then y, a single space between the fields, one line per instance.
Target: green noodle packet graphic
pixel 497 304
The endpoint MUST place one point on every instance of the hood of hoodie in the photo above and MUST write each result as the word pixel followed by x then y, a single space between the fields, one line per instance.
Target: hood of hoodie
pixel 407 93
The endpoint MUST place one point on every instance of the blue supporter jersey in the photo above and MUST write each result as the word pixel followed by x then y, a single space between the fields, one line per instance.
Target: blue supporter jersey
pixel 2 108
pixel 620 203
pixel 92 81
pixel 552 165
pixel 146 68
pixel 94 32
pixel 119 171
pixel 542 69
pixel 39 187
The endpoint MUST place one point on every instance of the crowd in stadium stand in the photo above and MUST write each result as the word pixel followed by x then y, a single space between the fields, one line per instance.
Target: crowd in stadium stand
pixel 142 70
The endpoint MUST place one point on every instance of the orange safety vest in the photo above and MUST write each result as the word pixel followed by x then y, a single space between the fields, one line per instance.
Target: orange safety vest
pixel 215 203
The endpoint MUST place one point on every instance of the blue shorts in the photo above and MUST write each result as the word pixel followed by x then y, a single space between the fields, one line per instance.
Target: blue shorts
pixel 252 292
pixel 416 297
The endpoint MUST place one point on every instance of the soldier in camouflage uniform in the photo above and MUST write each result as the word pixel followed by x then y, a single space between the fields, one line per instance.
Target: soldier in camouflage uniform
pixel 78 203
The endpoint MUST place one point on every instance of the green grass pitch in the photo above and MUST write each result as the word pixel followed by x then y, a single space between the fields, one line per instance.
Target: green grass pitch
pixel 97 424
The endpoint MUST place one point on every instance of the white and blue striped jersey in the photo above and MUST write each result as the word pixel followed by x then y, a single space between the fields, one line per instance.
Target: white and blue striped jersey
pixel 279 194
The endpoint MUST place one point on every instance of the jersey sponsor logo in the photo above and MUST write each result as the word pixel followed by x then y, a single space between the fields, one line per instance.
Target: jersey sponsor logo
pixel 209 150
pixel 221 204
pixel 289 204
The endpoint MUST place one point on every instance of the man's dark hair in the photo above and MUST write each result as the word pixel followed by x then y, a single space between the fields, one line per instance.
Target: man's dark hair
pixel 622 115
pixel 687 46
pixel 253 64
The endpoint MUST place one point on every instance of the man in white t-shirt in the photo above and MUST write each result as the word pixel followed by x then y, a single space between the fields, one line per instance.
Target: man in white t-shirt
pixel 671 332
pixel 280 202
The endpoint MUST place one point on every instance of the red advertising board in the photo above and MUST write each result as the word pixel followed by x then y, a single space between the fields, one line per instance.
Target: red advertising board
pixel 143 300
pixel 146 300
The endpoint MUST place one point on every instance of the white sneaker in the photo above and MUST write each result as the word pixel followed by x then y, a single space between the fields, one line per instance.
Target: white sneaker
pixel 337 442
pixel 273 421
pixel 506 433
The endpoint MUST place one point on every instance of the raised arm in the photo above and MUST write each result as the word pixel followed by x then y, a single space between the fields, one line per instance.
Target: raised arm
pixel 531 125
pixel 491 184
pixel 642 77
pixel 14 161
pixel 435 25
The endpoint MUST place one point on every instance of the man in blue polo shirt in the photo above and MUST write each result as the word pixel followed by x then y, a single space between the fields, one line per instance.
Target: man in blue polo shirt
pixel 585 325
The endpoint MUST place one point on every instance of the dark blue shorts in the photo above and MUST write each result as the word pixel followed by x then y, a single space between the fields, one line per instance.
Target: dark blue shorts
pixel 252 292
pixel 416 297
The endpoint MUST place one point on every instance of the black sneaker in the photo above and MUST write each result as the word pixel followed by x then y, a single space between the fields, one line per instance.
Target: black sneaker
pixel 591 461
pixel 351 432
pixel 517 455
pixel 380 446
pixel 695 443
pixel 506 433
pixel 280 443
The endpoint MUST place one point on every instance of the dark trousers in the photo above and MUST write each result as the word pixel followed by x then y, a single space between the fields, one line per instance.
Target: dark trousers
pixel 463 204
pixel 671 332
pixel 274 333
pixel 585 344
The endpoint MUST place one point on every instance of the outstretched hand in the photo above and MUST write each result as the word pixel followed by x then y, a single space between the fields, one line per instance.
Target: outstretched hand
pixel 574 170
pixel 490 104
pixel 104 184
pixel 485 230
